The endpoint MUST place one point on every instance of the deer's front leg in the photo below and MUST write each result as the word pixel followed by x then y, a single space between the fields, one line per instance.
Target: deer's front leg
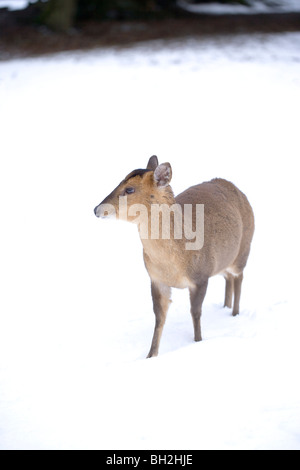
pixel 161 300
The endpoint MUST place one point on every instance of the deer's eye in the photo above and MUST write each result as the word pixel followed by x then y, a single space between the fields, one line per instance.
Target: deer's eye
pixel 129 190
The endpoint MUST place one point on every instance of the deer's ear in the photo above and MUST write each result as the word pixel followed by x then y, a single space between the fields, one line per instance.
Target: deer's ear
pixel 153 163
pixel 163 174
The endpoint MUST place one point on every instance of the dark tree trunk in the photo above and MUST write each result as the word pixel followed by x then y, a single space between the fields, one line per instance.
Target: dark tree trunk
pixel 60 14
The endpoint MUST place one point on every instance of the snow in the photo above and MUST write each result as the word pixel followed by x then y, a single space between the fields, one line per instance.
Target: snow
pixel 15 4
pixel 75 306
pixel 253 7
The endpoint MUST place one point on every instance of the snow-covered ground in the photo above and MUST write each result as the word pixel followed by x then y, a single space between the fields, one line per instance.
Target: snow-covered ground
pixel 76 316
pixel 15 4
pixel 252 7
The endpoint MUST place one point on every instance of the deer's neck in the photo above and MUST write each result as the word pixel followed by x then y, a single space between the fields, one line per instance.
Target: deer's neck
pixel 157 225
pixel 161 236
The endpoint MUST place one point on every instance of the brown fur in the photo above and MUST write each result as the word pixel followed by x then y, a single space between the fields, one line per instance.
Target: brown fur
pixel 228 232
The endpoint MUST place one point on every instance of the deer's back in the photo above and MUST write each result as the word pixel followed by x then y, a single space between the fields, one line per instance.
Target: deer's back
pixel 228 226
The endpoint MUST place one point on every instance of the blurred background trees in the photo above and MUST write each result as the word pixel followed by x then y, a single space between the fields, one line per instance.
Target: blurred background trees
pixel 61 15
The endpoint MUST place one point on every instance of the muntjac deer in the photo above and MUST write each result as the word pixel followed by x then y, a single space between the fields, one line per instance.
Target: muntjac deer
pixel 223 233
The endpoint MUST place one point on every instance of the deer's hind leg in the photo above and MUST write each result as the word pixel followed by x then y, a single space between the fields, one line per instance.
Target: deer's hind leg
pixel 237 293
pixel 228 290
pixel 233 286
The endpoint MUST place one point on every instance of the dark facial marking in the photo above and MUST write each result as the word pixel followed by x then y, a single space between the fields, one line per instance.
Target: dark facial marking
pixel 134 173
